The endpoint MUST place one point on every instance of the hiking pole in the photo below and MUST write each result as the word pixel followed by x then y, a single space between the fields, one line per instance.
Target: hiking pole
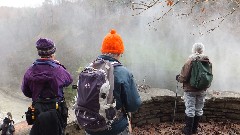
pixel 129 122
pixel 175 104
pixel 75 87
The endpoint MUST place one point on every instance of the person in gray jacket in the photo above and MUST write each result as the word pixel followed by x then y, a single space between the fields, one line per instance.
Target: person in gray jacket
pixel 194 98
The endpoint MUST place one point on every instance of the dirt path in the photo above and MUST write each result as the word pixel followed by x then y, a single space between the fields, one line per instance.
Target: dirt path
pixel 210 128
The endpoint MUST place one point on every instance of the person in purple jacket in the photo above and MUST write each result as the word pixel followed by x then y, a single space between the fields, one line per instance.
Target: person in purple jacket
pixel 44 82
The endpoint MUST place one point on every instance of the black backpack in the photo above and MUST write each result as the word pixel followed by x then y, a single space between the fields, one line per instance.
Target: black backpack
pixel 201 74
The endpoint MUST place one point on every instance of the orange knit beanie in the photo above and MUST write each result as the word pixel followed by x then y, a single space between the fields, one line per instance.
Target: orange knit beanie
pixel 112 43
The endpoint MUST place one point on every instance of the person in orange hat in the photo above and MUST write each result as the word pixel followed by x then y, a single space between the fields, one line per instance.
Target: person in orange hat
pixel 125 95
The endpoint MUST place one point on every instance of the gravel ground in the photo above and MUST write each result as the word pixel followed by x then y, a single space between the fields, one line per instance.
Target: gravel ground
pixel 211 128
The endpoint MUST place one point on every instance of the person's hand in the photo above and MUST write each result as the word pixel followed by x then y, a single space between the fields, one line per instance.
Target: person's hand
pixel 57 61
pixel 177 76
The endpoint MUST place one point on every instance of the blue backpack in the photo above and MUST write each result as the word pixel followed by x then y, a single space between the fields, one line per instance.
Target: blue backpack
pixel 96 107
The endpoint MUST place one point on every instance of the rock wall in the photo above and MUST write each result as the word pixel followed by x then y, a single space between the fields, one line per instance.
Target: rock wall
pixel 158 106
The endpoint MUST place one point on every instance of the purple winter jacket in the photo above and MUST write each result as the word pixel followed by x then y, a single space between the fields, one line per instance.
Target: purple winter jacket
pixel 45 79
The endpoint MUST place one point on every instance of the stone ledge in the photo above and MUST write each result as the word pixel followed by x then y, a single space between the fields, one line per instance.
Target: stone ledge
pixel 159 104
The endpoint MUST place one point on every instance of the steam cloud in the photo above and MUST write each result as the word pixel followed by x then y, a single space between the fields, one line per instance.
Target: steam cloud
pixel 154 52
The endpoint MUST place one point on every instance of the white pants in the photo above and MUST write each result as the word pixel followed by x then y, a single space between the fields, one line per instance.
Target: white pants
pixel 194 103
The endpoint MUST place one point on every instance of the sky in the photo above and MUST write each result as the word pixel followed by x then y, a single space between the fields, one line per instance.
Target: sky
pixel 21 3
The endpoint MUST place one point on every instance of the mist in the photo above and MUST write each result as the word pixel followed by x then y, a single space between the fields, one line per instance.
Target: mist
pixel 164 45
pixel 158 40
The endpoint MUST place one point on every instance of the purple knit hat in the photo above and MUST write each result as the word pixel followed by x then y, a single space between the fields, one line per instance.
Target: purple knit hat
pixel 45 47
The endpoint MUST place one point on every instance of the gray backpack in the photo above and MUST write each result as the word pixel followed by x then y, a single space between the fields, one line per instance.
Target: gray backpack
pixel 96 108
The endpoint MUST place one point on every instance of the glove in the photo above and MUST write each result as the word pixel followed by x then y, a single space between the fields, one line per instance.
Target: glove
pixel 177 76
pixel 57 62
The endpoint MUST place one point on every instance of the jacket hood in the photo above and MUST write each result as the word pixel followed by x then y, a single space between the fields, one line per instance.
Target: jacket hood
pixel 197 55
pixel 108 58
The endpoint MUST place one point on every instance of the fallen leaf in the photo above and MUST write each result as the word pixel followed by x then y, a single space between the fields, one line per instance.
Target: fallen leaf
pixel 169 2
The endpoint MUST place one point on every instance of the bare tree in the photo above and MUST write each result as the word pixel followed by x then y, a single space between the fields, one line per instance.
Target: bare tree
pixel 201 11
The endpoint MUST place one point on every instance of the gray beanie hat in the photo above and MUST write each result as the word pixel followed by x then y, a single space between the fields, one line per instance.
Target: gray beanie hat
pixel 198 48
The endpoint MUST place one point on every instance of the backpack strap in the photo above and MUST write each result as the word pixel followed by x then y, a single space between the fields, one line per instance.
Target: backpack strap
pixel 115 63
pixel 47 62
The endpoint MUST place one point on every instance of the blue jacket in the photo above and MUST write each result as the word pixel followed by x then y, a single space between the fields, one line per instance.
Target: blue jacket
pixel 126 95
